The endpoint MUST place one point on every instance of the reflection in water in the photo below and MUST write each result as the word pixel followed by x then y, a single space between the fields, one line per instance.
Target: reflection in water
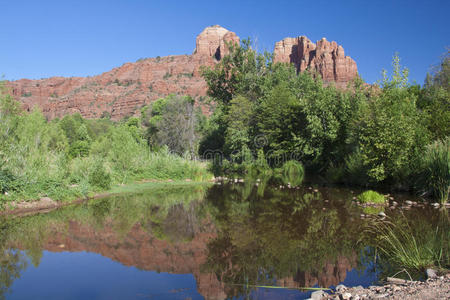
pixel 12 262
pixel 225 236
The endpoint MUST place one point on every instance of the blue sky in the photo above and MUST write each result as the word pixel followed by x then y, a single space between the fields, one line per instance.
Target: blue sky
pixel 79 38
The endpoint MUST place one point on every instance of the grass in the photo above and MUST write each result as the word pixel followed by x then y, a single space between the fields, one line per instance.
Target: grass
pixel 371 197
pixel 370 210
pixel 435 177
pixel 413 248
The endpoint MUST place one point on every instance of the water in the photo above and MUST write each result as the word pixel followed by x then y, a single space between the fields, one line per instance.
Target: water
pixel 193 242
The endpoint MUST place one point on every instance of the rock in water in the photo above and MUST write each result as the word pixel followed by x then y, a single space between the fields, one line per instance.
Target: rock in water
pixel 318 295
pixel 382 214
pixel 346 296
pixel 340 288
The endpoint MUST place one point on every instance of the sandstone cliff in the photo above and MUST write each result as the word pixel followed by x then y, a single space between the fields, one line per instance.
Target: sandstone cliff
pixel 326 58
pixel 124 90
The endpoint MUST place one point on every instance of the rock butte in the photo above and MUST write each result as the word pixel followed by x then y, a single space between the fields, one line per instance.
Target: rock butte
pixel 124 90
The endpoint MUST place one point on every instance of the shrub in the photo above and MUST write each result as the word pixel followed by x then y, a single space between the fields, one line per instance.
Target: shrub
pixel 356 170
pixel 98 177
pixel 292 172
pixel 435 176
pixel 371 197
pixel 7 181
pixel 335 174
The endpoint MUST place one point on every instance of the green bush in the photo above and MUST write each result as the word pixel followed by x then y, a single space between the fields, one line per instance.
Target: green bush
pixel 7 181
pixel 99 177
pixel 435 176
pixel 292 172
pixel 335 174
pixel 371 197
pixel 355 169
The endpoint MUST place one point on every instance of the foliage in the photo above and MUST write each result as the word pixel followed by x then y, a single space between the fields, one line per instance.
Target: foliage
pixel 413 247
pixel 172 122
pixel 98 177
pixel 68 158
pixel 434 99
pixel 390 135
pixel 363 135
pixel 238 73
pixel 7 181
pixel 292 173
pixel 239 121
pixel 434 178
pixel 371 197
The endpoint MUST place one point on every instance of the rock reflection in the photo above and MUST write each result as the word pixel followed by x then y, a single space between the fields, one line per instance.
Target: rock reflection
pixel 225 236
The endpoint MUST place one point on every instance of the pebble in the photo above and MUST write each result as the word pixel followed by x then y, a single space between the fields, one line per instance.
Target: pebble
pixel 431 273
pixel 346 296
pixel 340 288
pixel 318 295
pixel 408 202
pixel 437 288
pixel 382 214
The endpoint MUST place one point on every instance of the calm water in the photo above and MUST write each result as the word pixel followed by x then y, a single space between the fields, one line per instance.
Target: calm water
pixel 193 242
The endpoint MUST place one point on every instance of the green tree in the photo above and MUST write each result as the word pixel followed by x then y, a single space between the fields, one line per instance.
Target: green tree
pixel 241 72
pixel 390 134
pixel 434 99
pixel 239 120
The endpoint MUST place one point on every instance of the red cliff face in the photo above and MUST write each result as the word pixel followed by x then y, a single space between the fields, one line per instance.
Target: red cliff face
pixel 124 90
pixel 326 58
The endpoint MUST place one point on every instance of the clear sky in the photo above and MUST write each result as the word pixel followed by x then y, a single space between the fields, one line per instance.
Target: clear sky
pixel 79 38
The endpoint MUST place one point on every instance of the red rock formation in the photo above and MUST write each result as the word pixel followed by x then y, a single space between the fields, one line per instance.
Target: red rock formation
pixel 124 90
pixel 326 58
pixel 212 42
pixel 119 92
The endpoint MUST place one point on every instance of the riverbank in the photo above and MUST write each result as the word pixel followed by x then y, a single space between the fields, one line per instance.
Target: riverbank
pixel 433 288
pixel 46 204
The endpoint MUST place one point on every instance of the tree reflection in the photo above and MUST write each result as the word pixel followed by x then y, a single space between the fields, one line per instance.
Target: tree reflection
pixel 279 234
pixel 12 262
